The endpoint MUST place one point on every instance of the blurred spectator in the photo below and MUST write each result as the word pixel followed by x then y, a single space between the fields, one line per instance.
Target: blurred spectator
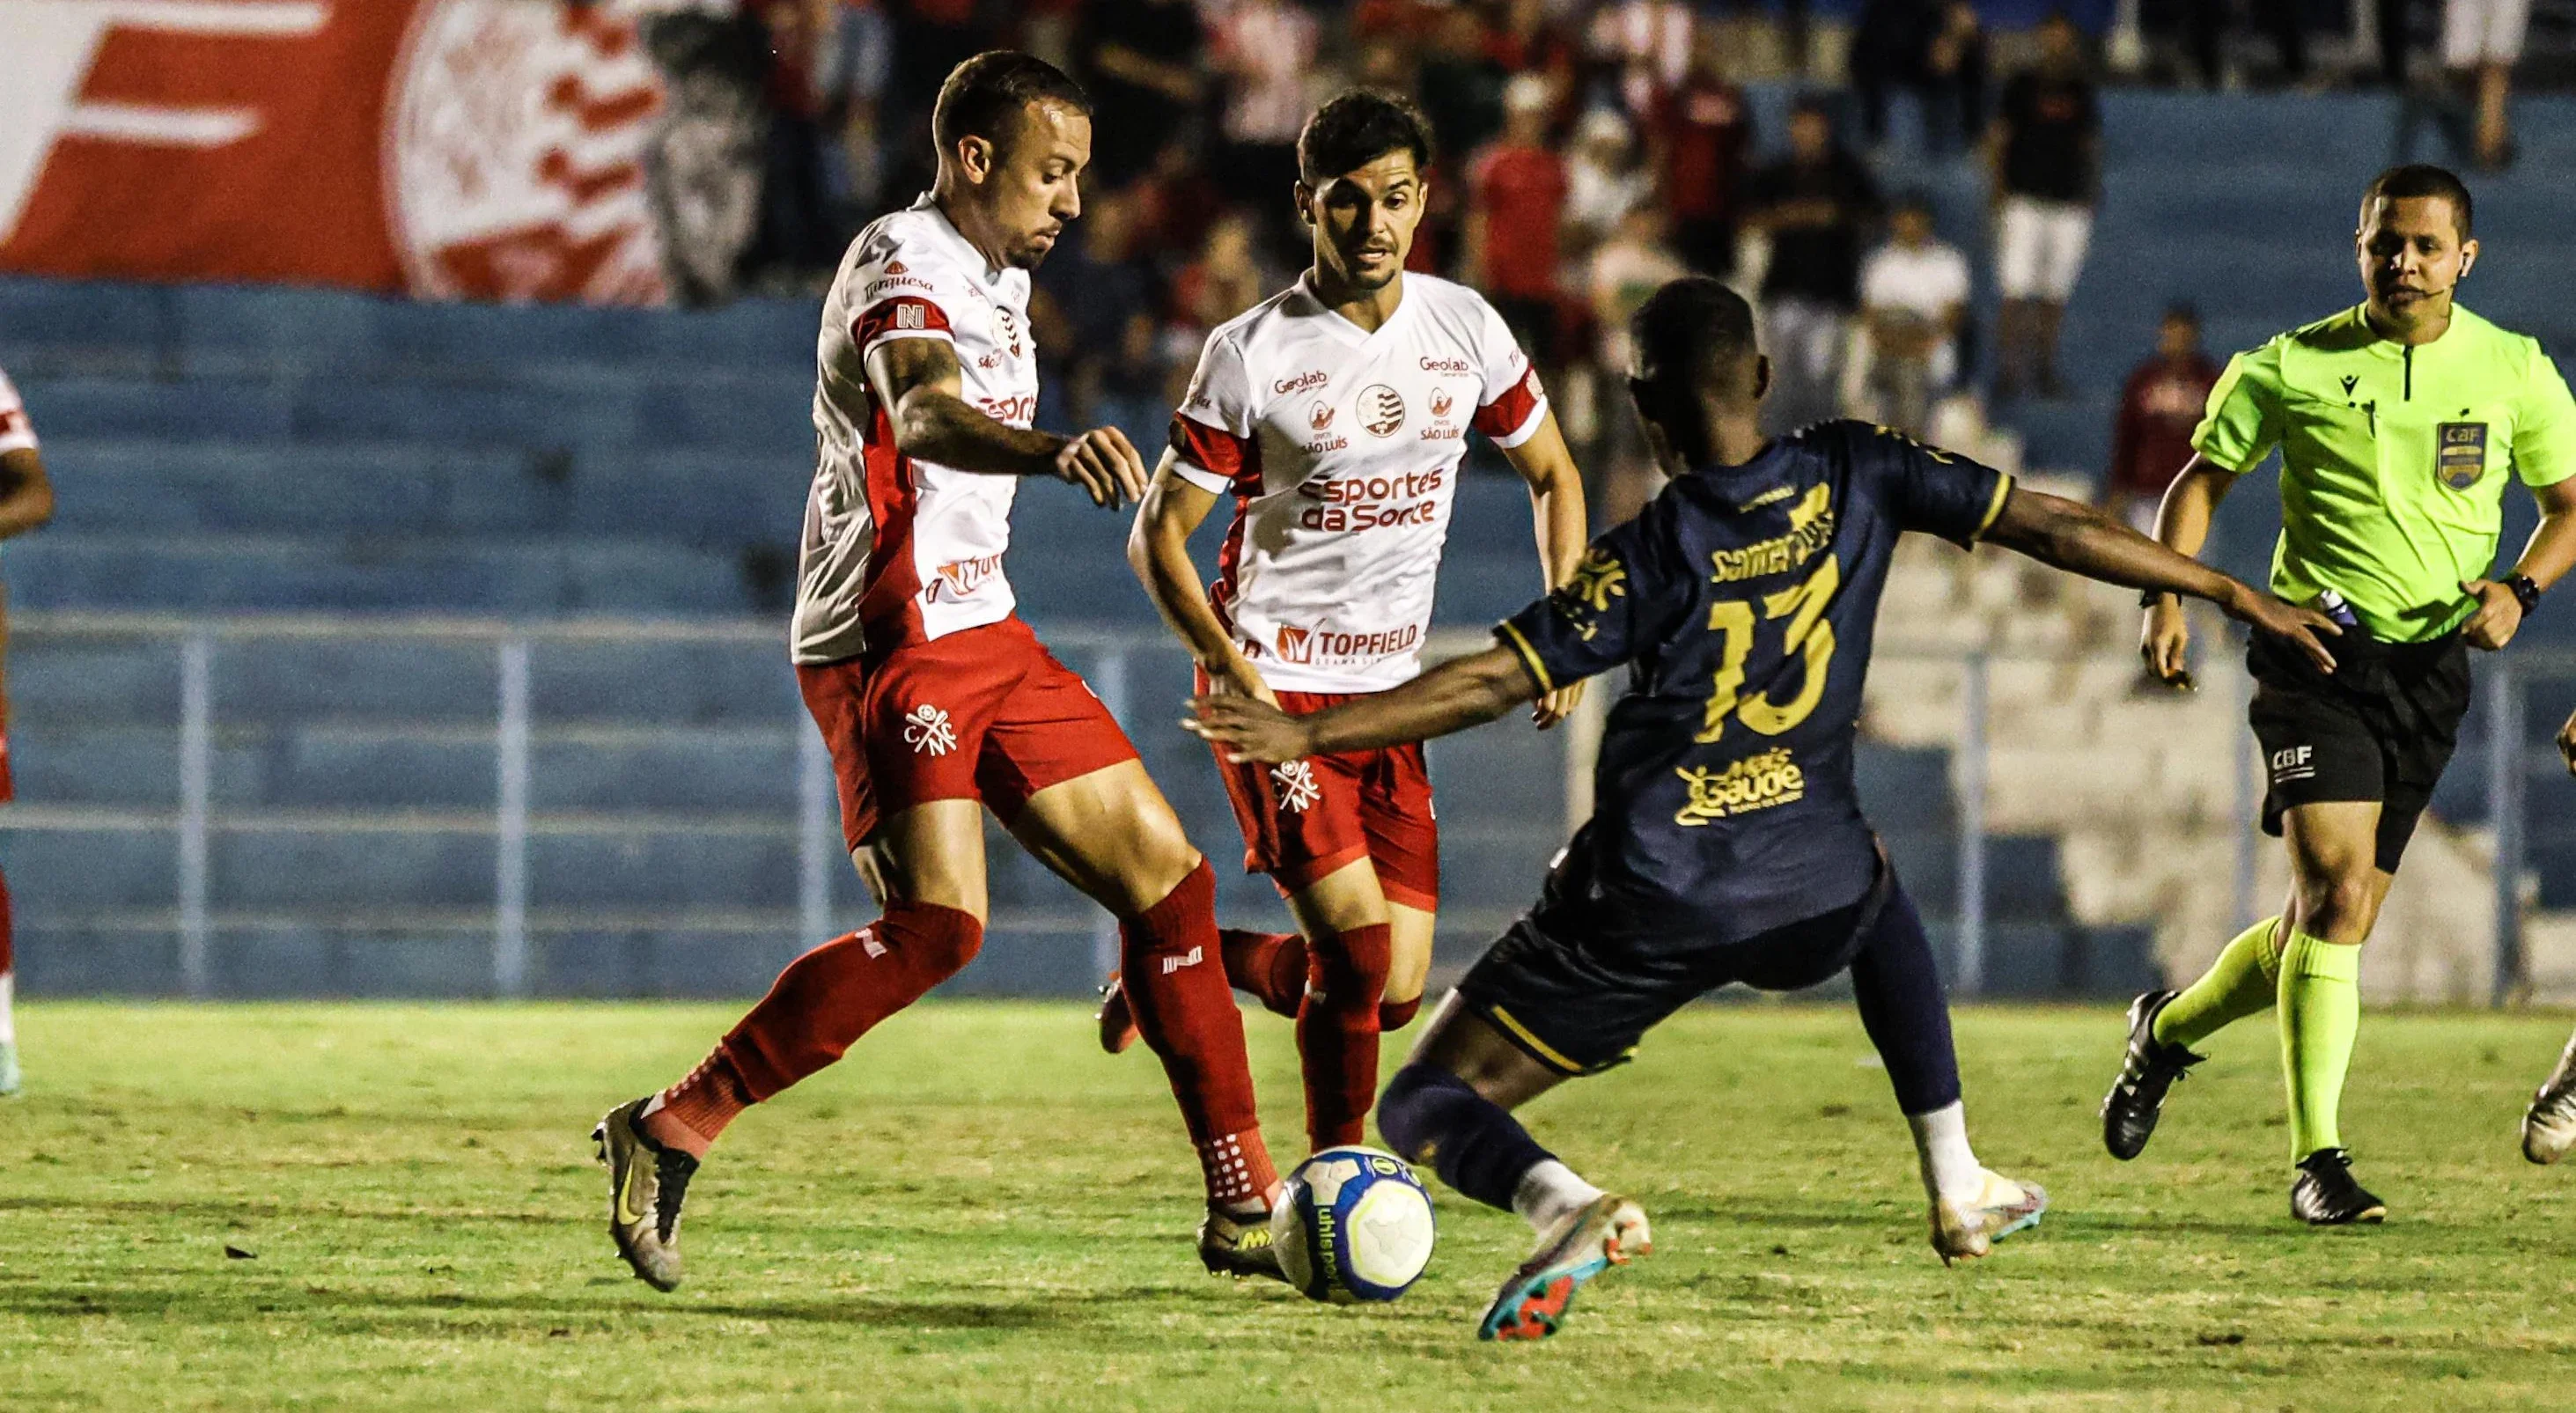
pixel 1629 266
pixel 2160 405
pixel 1890 43
pixel 1914 298
pixel 1604 181
pixel 2205 24
pixel 931 37
pixel 798 239
pixel 1532 40
pixel 1145 81
pixel 856 64
pixel 1517 191
pixel 1699 137
pixel 1461 83
pixel 1647 44
pixel 1954 80
pixel 2481 41
pixel 2046 153
pixel 1263 48
pixel 1099 277
pixel 1814 205
pixel 1176 202
pixel 1225 280
pixel 702 164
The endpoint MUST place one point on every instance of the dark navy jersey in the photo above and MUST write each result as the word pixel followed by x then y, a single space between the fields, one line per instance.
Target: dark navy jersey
pixel 1744 600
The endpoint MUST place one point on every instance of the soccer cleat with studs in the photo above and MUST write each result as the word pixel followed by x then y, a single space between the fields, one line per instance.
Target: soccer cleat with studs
pixel 1610 1230
pixel 1967 1231
pixel 1117 1019
pixel 1238 1244
pixel 2549 1125
pixel 2326 1195
pixel 646 1184
pixel 2137 1097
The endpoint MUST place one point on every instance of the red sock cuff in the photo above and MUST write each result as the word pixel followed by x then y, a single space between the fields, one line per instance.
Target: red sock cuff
pixel 1270 966
pixel 1238 1167
pixel 1348 969
pixel 829 997
pixel 1393 1016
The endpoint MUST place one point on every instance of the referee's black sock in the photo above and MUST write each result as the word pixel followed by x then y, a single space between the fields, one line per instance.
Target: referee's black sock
pixel 1474 1143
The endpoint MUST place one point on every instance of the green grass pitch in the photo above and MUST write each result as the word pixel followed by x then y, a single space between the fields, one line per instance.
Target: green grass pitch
pixel 979 1210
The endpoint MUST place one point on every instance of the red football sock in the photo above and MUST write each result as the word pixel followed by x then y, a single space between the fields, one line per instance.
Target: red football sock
pixel 1176 986
pixel 1268 965
pixel 1393 1016
pixel 824 1001
pixel 1338 1029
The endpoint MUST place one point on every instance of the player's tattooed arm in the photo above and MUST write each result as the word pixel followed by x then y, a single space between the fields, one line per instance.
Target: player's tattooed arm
pixel 1460 693
pixel 2082 540
pixel 26 493
pixel 1158 549
pixel 1556 507
pixel 918 382
pixel 2182 525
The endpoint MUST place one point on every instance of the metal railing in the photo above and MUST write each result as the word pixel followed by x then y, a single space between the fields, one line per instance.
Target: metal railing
pixel 1109 659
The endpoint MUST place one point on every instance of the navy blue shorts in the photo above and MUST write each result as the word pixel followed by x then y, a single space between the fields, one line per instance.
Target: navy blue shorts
pixel 1579 1005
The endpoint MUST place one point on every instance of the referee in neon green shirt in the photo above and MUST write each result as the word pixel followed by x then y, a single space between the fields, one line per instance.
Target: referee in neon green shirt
pixel 2399 424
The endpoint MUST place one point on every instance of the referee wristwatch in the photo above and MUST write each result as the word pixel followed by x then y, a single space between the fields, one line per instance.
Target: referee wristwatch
pixel 2525 592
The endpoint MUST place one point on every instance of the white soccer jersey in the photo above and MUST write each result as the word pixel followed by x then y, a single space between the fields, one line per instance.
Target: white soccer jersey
pixel 16 432
pixel 1341 448
pixel 898 550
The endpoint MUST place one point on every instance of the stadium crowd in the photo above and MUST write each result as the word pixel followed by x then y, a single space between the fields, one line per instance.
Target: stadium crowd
pixel 1591 149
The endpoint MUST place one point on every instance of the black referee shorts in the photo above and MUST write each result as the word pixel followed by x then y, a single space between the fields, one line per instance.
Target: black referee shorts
pixel 2381 727
pixel 1578 1002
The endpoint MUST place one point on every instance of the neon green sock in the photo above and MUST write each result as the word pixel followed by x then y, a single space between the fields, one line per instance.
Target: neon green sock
pixel 2242 982
pixel 2320 1014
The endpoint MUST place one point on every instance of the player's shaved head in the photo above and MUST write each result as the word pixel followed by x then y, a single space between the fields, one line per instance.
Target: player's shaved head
pixel 1695 366
pixel 1694 337
pixel 2422 179
pixel 988 96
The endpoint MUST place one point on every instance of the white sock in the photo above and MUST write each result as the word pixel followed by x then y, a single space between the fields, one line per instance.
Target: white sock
pixel 1548 1193
pixel 8 1008
pixel 1951 1171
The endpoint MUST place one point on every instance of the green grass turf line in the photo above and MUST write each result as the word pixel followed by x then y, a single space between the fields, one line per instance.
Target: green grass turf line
pixel 979 1210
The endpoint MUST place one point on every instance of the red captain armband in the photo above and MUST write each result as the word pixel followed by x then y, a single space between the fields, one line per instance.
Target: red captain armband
pixel 1511 412
pixel 1213 449
pixel 897 318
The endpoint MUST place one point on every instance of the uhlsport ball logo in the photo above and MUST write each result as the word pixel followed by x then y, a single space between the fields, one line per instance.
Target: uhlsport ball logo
pixel 1355 1225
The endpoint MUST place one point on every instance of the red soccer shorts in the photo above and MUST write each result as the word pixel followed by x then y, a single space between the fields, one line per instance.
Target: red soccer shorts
pixel 1310 817
pixel 984 714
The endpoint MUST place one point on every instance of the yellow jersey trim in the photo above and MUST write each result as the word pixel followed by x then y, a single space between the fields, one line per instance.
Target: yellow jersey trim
pixel 1536 1046
pixel 1512 639
pixel 1994 508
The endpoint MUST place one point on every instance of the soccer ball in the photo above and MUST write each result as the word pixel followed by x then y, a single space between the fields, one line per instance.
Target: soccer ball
pixel 1355 1225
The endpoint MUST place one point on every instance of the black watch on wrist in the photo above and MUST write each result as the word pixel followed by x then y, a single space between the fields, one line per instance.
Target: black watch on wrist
pixel 2525 592
pixel 2149 598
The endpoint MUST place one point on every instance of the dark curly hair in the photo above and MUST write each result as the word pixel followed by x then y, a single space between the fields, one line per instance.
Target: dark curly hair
pixel 1355 129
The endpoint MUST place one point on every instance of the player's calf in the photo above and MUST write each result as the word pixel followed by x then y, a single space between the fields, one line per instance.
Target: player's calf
pixel 1337 1032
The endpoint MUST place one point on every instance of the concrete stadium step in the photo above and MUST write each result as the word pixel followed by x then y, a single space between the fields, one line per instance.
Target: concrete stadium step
pixel 233 330
pixel 697 496
pixel 742 412
pixel 69 570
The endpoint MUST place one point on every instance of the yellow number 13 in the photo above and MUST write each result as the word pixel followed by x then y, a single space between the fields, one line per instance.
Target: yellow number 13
pixel 1804 607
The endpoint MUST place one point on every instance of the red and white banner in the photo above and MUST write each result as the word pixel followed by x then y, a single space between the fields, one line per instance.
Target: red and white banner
pixel 486 149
